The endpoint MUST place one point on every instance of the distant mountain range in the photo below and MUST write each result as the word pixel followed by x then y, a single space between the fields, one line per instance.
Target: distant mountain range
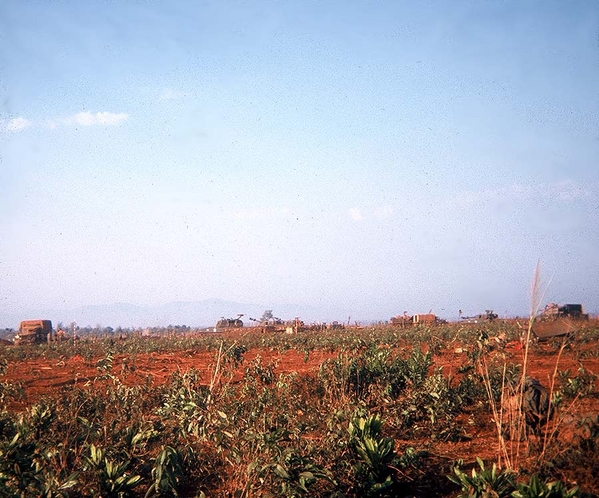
pixel 194 314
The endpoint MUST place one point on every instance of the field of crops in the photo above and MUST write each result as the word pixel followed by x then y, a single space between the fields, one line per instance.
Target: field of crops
pixel 376 411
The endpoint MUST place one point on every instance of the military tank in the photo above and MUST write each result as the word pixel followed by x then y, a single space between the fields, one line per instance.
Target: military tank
pixel 229 323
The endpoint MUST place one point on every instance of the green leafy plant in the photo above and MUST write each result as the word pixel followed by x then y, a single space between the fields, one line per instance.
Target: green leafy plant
pixel 296 474
pixel 167 473
pixel 104 365
pixel 536 488
pixel 50 484
pixel 115 482
pixel 484 483
pixel 580 385
pixel 374 451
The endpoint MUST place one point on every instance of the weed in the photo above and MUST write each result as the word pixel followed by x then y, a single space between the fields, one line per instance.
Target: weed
pixel 578 386
pixel 536 488
pixel 484 483
pixel 374 451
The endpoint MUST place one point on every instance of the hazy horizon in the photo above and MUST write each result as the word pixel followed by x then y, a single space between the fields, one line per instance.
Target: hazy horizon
pixel 207 312
pixel 367 157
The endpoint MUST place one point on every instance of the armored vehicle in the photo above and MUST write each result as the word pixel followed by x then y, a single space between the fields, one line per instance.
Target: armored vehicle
pixel 228 323
pixel 556 320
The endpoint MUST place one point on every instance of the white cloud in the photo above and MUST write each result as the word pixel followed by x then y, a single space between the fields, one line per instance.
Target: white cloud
pixel 82 118
pixel 356 214
pixel 565 191
pixel 99 118
pixel 17 124
pixel 91 119
pixel 383 212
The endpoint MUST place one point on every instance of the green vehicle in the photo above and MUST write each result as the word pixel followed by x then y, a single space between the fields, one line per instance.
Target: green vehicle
pixel 229 323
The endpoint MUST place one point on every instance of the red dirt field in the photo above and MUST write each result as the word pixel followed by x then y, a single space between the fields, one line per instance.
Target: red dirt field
pixel 44 377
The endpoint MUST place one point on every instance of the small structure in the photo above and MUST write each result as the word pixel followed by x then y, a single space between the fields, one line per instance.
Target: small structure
pixel 425 319
pixel 419 319
pixel 34 332
pixel 294 326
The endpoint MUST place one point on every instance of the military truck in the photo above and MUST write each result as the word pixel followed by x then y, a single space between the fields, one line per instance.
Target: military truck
pixel 573 311
pixel 487 316
pixel 418 319
pixel 34 332
pixel 556 320
pixel 270 323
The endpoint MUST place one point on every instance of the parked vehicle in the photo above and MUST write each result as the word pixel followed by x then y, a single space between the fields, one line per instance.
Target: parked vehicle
pixel 34 332
pixel 487 316
pixel 228 323
pixel 418 319
pixel 556 320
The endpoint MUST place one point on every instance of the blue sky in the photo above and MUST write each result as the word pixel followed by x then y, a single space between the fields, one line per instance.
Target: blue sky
pixel 373 157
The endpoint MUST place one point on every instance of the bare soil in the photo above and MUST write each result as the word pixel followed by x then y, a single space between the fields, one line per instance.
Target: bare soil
pixel 44 377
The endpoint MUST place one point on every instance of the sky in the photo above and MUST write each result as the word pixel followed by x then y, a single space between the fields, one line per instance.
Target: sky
pixel 374 157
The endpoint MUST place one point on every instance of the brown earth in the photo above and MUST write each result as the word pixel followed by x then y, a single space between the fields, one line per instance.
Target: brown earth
pixel 43 377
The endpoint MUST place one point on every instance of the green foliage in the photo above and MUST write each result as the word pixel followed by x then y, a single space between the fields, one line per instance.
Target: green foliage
pixel 376 453
pixel 294 474
pixel 27 468
pixel 114 480
pixel 235 354
pixel 536 488
pixel 580 385
pixel 104 365
pixel 484 483
pixel 375 370
pixel 167 473
pixel 239 428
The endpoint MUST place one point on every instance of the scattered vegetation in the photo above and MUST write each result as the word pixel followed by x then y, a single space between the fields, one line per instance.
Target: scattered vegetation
pixel 365 424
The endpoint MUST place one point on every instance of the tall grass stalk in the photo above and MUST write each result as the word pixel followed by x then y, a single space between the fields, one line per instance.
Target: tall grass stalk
pixel 510 454
pixel 548 437
pixel 497 413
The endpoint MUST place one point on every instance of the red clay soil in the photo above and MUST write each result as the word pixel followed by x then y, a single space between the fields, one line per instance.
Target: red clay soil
pixel 42 377
pixel 47 377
